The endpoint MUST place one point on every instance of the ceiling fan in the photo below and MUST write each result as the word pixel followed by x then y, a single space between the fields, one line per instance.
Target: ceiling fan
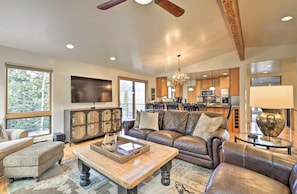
pixel 165 4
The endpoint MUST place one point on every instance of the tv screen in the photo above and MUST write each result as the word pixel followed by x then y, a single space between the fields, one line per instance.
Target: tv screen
pixel 90 90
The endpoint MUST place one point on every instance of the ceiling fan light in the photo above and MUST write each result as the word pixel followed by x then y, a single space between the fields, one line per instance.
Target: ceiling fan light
pixel 143 2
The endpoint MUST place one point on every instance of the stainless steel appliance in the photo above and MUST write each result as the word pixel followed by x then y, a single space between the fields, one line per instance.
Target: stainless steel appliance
pixel 225 98
pixel 207 93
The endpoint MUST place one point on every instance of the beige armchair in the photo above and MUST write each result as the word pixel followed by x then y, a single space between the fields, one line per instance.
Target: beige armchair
pixel 18 139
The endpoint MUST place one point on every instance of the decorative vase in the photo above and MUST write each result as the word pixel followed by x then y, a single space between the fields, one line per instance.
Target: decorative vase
pixel 110 142
pixel 270 124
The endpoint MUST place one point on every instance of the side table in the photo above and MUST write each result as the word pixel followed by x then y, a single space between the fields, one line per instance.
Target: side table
pixel 268 142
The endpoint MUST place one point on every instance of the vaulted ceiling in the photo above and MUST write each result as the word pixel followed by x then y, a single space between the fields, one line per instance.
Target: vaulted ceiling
pixel 145 39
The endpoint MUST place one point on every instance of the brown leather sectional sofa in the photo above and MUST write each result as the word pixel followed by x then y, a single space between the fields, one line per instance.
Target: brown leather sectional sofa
pixel 175 130
pixel 247 169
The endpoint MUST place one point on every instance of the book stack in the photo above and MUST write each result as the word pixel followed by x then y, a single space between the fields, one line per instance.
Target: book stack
pixel 128 148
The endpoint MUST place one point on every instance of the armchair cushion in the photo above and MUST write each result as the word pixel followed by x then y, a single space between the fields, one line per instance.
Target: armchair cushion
pixel 242 180
pixel 206 125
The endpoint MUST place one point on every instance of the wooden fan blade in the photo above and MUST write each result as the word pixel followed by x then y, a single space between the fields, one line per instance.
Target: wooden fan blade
pixel 170 7
pixel 109 4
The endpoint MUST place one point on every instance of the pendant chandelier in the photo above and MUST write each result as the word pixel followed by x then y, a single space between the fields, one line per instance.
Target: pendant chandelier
pixel 179 78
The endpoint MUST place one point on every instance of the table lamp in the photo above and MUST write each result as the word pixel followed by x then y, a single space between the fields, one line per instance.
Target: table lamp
pixel 271 99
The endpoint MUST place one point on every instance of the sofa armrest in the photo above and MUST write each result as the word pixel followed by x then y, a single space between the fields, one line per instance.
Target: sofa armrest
pixel 274 165
pixel 214 143
pixel 221 133
pixel 16 133
pixel 128 125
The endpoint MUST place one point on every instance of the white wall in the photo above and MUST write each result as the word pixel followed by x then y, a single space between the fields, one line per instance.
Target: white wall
pixel 62 69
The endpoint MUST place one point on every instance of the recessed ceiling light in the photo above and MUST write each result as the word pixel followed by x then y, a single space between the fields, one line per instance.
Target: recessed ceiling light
pixel 287 18
pixel 70 46
pixel 225 73
pixel 204 75
pixel 112 58
pixel 143 2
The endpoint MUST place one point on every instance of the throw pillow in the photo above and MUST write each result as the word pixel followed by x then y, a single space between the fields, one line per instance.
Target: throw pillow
pixel 137 119
pixel 3 134
pixel 206 125
pixel 149 120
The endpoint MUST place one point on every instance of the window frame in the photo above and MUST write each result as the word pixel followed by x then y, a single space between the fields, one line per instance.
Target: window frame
pixel 24 115
pixel 133 80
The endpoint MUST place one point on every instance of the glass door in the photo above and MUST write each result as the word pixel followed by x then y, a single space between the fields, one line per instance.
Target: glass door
pixel 132 97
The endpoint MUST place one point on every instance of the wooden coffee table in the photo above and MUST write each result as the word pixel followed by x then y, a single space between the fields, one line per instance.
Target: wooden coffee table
pixel 129 174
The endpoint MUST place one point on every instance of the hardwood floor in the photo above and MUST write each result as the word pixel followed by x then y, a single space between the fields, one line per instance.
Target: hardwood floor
pixel 68 150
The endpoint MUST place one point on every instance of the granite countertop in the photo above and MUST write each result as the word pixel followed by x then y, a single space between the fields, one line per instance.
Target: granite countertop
pixel 221 106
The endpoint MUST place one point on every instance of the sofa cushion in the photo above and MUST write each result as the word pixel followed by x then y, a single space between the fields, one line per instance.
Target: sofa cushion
pixel 191 144
pixel 175 120
pixel 206 125
pixel 164 137
pixel 161 113
pixel 148 120
pixel 194 116
pixel 139 133
pixel 228 178
pixel 137 119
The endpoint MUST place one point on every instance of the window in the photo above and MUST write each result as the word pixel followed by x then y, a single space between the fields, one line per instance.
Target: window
pixel 28 99
pixel 132 96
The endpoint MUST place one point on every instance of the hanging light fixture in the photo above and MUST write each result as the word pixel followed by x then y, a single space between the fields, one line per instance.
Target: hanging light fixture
pixel 191 87
pixel 179 78
pixel 212 87
pixel 143 2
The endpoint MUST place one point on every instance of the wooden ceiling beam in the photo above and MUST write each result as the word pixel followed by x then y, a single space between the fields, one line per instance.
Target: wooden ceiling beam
pixel 230 12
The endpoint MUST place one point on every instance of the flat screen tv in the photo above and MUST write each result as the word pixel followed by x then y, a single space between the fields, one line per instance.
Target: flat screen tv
pixel 90 90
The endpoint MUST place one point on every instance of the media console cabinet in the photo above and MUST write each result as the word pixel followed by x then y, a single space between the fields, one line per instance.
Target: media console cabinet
pixel 83 124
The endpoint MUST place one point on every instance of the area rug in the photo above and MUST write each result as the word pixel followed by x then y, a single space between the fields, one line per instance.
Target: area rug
pixel 64 179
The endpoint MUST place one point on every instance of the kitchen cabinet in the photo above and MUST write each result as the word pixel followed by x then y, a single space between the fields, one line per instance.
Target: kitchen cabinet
pixel 234 82
pixel 84 124
pixel 198 88
pixel 217 87
pixel 191 96
pixel 224 82
pixel 178 91
pixel 206 84
pixel 161 86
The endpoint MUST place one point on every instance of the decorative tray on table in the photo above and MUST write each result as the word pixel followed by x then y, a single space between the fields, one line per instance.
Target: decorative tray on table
pixel 126 149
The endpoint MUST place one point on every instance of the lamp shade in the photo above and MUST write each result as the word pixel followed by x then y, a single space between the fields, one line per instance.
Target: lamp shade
pixel 272 97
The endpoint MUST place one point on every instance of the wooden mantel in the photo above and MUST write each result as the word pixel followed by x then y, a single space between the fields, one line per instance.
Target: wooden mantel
pixel 230 12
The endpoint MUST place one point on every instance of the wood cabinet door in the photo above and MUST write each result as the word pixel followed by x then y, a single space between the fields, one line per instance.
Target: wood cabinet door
pixel 93 123
pixel 198 88
pixel 224 82
pixel 161 86
pixel 234 82
pixel 217 87
pixel 192 96
pixel 178 91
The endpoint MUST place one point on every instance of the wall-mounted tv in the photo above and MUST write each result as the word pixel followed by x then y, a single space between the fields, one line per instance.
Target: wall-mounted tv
pixel 85 89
